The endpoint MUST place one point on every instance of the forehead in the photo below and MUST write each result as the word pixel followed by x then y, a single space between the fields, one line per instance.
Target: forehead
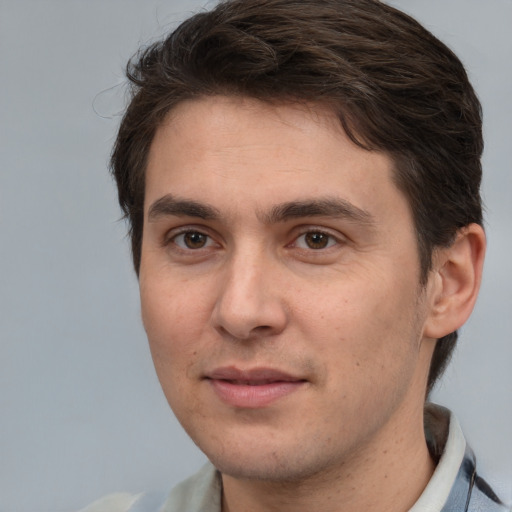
pixel 235 150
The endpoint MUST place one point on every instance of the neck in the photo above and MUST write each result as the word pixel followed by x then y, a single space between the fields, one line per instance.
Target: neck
pixel 388 474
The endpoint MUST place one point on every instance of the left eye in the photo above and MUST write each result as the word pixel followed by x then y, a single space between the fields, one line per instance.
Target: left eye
pixel 192 240
pixel 315 240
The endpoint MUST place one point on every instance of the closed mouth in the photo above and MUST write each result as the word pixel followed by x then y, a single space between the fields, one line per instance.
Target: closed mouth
pixel 254 388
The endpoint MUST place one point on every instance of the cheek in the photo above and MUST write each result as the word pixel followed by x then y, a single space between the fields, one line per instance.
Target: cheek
pixel 369 349
pixel 172 306
pixel 364 326
pixel 174 321
pixel 174 336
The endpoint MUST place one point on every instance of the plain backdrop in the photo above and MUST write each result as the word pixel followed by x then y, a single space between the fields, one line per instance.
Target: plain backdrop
pixel 81 411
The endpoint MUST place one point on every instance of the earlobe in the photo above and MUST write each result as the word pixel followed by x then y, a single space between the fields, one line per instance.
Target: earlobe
pixel 455 281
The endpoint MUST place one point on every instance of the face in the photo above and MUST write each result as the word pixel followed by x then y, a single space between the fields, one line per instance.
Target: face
pixel 280 288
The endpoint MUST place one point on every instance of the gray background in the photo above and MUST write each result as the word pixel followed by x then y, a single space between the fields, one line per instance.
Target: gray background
pixel 81 412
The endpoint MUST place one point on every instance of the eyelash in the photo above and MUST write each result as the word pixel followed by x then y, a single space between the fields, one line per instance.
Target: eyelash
pixel 331 239
pixel 171 239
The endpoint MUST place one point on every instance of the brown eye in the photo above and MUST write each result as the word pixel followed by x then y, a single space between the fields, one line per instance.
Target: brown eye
pixel 192 240
pixel 316 240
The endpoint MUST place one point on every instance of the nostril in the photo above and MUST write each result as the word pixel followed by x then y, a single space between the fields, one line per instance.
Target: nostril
pixel 247 311
pixel 240 334
pixel 262 328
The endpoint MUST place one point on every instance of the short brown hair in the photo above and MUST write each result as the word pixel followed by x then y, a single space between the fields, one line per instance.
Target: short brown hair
pixel 393 85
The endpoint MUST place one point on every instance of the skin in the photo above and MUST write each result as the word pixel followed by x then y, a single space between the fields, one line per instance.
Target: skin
pixel 230 277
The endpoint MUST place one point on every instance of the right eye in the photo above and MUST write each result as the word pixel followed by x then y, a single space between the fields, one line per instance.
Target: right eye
pixel 192 240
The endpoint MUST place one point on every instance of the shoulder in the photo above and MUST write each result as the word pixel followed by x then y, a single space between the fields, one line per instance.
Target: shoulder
pixel 118 502
pixel 124 502
pixel 455 485
pixel 201 492
pixel 483 498
pixel 198 493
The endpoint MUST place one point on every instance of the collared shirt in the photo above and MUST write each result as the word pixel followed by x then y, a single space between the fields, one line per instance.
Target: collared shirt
pixel 454 487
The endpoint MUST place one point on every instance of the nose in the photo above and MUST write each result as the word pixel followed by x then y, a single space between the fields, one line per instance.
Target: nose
pixel 250 303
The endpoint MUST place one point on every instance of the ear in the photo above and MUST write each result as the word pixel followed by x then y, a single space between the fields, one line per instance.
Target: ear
pixel 455 281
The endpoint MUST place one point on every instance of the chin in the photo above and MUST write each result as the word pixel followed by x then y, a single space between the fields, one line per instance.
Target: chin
pixel 269 464
pixel 261 470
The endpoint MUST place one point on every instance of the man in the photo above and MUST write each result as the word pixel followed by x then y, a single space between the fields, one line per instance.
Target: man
pixel 301 180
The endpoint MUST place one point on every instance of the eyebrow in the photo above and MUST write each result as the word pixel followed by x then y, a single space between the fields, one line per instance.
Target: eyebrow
pixel 169 205
pixel 324 207
pixel 335 207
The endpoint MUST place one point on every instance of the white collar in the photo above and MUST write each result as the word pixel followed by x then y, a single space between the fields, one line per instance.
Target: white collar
pixel 440 485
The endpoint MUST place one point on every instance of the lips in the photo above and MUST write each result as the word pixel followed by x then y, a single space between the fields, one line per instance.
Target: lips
pixel 252 388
